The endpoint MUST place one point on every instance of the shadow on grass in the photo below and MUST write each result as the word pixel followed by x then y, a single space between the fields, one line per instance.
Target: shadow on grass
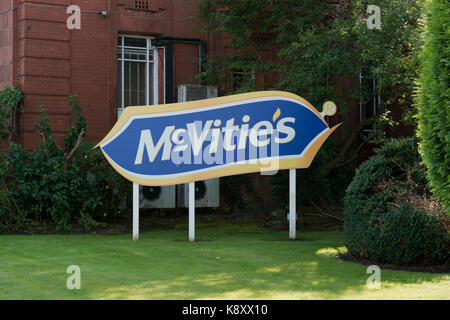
pixel 232 262
pixel 263 266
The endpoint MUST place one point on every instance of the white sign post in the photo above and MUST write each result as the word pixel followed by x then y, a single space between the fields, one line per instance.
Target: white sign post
pixel 292 209
pixel 191 211
pixel 135 211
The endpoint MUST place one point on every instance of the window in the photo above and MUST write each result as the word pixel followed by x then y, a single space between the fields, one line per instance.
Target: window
pixel 137 72
pixel 146 5
pixel 240 77
pixel 369 101
pixel 138 4
pixel 141 4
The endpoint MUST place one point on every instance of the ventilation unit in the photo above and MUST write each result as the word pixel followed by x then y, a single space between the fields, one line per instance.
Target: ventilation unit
pixel 141 4
pixel 191 92
pixel 206 194
pixel 146 5
pixel 157 197
pixel 207 191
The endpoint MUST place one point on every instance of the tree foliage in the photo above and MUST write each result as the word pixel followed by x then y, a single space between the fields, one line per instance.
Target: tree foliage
pixel 10 99
pixel 312 47
pixel 434 100
pixel 316 49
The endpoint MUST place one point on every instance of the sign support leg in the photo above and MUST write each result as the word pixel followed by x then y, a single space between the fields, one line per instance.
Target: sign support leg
pixel 292 204
pixel 135 211
pixel 191 211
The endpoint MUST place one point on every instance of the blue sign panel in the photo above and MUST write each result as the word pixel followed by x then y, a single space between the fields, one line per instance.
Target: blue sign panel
pixel 185 142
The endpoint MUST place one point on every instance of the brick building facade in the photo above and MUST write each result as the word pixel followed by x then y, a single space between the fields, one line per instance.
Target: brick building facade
pixel 157 39
pixel 127 52
pixel 108 60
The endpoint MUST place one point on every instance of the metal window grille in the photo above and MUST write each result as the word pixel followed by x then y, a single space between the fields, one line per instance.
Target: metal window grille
pixel 136 72
pixel 141 4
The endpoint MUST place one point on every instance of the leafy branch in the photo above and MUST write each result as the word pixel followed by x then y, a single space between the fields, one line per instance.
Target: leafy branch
pixel 10 98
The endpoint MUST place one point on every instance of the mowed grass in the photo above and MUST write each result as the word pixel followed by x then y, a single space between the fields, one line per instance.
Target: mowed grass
pixel 228 262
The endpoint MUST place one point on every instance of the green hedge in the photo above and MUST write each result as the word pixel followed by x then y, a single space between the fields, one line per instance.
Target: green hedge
pixel 376 226
pixel 434 100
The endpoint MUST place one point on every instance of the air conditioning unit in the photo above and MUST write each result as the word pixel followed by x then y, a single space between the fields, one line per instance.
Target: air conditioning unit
pixel 207 191
pixel 206 194
pixel 156 197
pixel 191 92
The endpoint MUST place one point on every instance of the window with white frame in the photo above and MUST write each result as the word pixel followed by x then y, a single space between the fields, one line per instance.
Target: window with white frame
pixel 137 72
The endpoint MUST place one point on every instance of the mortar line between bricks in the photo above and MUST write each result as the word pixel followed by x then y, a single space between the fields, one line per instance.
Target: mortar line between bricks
pixel 47 58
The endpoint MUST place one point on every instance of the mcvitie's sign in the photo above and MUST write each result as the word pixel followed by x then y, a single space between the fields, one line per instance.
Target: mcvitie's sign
pixel 198 140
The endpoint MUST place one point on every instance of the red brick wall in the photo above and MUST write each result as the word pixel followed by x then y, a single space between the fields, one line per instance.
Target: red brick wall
pixel 186 64
pixel 54 62
pixel 8 48
pixel 400 130
pixel 6 42
pixel 43 65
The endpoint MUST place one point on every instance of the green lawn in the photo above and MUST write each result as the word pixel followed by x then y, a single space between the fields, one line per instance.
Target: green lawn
pixel 229 262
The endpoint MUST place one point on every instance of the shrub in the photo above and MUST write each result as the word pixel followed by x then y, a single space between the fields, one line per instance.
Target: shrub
pixel 114 190
pixel 45 183
pixel 389 214
pixel 9 102
pixel 434 100
pixel 61 184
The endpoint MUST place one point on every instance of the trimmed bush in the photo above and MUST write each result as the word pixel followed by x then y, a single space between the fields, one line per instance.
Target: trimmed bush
pixel 434 100
pixel 389 214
